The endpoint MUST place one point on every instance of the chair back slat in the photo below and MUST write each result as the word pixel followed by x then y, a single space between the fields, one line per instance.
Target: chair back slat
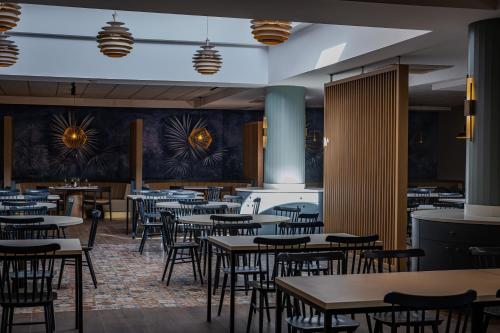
pixel 256 206
pixel 291 212
pixel 304 228
pixel 394 260
pixel 353 246
pixel 486 257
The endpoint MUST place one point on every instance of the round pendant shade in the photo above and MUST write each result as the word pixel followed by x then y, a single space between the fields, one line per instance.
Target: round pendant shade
pixel 9 15
pixel 271 32
pixel 8 52
pixel 115 40
pixel 207 60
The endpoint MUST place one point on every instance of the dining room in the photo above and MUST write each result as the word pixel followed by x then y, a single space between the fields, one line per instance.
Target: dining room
pixel 250 167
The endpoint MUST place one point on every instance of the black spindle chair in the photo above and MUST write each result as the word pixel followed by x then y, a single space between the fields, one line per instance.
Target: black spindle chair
pixel 27 231
pixel 291 212
pixel 256 206
pixel 308 217
pixel 306 228
pixel 150 218
pixel 425 311
pixel 96 215
pixel 300 316
pixel 213 193
pixel 267 253
pixel 175 248
pixel 6 222
pixel 26 275
pixel 353 246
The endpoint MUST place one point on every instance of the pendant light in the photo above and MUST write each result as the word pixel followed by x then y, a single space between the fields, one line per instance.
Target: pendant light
pixel 9 15
pixel 271 32
pixel 8 51
pixel 207 60
pixel 115 40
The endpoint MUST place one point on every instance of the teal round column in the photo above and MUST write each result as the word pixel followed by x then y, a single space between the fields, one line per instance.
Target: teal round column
pixel 483 152
pixel 284 163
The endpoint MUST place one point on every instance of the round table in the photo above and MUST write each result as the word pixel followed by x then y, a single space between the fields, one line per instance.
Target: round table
pixel 60 221
pixel 211 204
pixel 77 194
pixel 205 219
pixel 49 205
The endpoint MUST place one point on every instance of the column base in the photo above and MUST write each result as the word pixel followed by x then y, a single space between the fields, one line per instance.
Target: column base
pixel 284 187
pixel 481 211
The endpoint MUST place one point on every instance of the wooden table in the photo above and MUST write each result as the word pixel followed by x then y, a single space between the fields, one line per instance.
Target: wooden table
pixel 70 249
pixel 177 205
pixel 364 293
pixel 237 245
pixel 60 221
pixel 77 194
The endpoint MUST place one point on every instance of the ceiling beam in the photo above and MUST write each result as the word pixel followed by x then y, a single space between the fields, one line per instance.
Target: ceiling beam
pixel 223 93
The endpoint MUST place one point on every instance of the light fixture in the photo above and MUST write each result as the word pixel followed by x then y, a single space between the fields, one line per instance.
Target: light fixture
pixel 271 32
pixel 74 137
pixel 207 60
pixel 9 15
pixel 115 40
pixel 469 110
pixel 264 132
pixel 8 51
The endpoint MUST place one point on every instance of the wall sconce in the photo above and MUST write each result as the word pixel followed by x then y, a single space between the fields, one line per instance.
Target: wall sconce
pixel 470 109
pixel 264 132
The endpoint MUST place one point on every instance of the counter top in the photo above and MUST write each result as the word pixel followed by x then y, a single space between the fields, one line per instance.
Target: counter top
pixel 453 216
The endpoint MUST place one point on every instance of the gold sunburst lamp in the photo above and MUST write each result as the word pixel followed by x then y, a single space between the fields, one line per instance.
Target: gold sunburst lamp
pixel 200 137
pixel 74 137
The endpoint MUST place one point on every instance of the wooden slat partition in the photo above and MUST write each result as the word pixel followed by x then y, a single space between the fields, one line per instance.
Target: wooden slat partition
pixel 366 157
pixel 135 154
pixel 253 153
pixel 7 151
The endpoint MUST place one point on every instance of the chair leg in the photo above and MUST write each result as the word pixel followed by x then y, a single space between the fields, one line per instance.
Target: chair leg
pixel 222 292
pixel 61 270
pixel 217 273
pixel 53 317
pixel 11 319
pixel 143 239
pixel 91 268
pixel 48 329
pixel 110 212
pixel 172 264
pixel 486 323
pixel 253 300
pixel 166 264
pixel 193 264
pixel 369 323
pixel 198 264
pixel 261 311
pixel 266 301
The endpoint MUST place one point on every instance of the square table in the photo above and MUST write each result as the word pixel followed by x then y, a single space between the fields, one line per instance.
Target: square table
pixel 364 293
pixel 70 249
pixel 236 245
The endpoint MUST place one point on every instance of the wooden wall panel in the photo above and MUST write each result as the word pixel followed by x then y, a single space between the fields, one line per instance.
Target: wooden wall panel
pixel 7 151
pixel 253 153
pixel 365 162
pixel 135 153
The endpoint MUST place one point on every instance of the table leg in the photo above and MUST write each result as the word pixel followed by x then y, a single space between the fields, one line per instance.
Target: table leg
pixel 134 219
pixel 79 293
pixel 279 310
pixel 209 282
pixel 232 291
pixel 126 218
pixel 477 318
pixel 328 322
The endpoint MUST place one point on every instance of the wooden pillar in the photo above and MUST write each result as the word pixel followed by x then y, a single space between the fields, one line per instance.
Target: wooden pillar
pixel 136 131
pixel 253 152
pixel 7 151
pixel 366 156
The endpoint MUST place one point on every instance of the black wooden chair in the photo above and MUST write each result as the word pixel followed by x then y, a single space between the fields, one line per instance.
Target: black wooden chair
pixel 268 250
pixel 175 248
pixel 256 206
pixel 380 261
pixel 291 212
pixel 150 219
pixel 6 222
pixel 308 217
pixel 295 228
pixel 29 231
pixel 98 198
pixel 31 267
pixel 300 316
pixel 213 193
pixel 246 264
pixel 353 247
pixel 96 215
pixel 425 311
pixel 484 258
pixel 67 212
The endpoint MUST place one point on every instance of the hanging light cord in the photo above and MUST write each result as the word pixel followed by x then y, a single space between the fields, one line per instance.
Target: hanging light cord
pixel 114 16
pixel 207 31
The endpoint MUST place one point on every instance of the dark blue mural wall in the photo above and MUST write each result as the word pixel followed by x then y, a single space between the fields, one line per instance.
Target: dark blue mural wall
pixel 168 153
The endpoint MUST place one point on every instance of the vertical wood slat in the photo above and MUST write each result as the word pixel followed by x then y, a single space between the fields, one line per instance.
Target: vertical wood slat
pixel 136 133
pixel 366 159
pixel 7 151
pixel 253 152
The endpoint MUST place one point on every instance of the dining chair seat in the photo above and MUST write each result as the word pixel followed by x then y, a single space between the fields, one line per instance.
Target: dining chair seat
pixel 185 245
pixel 265 286
pixel 316 323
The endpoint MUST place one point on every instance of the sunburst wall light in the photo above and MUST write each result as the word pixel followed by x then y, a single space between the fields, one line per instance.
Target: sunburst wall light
pixel 8 51
pixel 9 15
pixel 115 40
pixel 207 60
pixel 271 32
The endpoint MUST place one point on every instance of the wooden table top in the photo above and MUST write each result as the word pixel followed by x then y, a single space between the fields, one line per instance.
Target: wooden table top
pixel 204 219
pixel 60 221
pixel 344 292
pixel 49 205
pixel 245 243
pixel 69 246
pixel 177 205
